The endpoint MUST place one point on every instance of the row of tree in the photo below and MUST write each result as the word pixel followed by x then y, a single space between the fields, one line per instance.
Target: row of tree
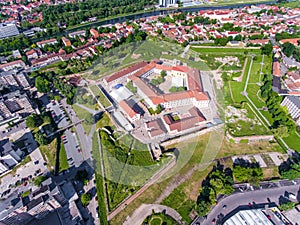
pixel 218 182
pixel 283 123
pixel 71 13
pixel 291 50
pixel 45 81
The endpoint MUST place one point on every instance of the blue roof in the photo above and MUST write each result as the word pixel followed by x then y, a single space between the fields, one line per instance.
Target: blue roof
pixel 118 86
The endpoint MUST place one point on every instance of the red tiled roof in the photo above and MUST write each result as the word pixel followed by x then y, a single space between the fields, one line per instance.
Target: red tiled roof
pixel 126 71
pixel 293 41
pixel 127 109
pixel 185 123
pixel 276 69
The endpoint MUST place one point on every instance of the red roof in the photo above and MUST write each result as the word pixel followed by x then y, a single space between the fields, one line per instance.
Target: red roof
pixel 127 109
pixel 185 123
pixel 276 69
pixel 126 71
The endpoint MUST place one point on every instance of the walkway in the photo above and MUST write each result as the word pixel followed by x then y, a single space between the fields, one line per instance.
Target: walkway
pixel 145 210
pixel 254 106
pixel 92 111
pixel 151 181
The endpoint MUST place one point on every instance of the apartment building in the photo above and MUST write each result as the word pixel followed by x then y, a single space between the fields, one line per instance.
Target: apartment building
pixel 8 30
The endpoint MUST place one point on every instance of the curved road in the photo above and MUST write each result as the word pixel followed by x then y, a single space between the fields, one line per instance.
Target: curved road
pixel 243 198
pixel 145 210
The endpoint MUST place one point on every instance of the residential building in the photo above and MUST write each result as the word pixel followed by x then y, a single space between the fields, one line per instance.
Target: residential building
pixel 14 78
pixel 50 204
pixel 77 34
pixel 10 155
pixel 12 65
pixel 15 104
pixel 66 41
pixel 292 103
pixel 94 33
pixel 8 30
pixel 42 44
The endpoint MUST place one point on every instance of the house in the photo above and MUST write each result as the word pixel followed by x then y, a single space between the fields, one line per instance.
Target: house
pixel 66 41
pixel 33 54
pixel 236 44
pixel 94 33
pixel 42 44
pixel 175 124
pixel 276 68
pixel 259 41
pixel 155 128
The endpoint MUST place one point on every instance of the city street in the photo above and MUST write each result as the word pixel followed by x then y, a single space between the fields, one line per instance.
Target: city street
pixel 258 196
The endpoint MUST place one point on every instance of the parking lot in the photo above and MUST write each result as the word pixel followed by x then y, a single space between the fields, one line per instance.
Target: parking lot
pixel 69 138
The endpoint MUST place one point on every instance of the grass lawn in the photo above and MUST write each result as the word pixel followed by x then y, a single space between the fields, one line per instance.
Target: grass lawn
pixel 159 219
pixel 82 114
pixel 100 96
pixel 225 50
pixel 48 152
pixel 191 152
pixel 127 140
pixel 99 181
pixel 63 159
pixel 104 121
pixel 125 170
pixel 293 141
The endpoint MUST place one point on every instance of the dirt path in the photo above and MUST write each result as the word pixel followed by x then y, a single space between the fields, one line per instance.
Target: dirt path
pixel 240 78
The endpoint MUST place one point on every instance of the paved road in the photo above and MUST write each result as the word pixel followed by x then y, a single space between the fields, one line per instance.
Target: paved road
pixel 71 143
pixel 258 196
pixel 145 210
pixel 85 142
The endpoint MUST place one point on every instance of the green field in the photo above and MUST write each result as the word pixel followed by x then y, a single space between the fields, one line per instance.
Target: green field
pixel 48 153
pixel 126 169
pixel 253 91
pixel 63 159
pixel 100 96
pixel 159 219
pixel 82 114
pixel 99 181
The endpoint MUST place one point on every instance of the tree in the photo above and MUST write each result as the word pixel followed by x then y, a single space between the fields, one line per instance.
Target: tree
pixel 163 73
pixel 40 138
pixel 267 49
pixel 85 199
pixel 42 85
pixel 288 49
pixel 39 180
pixel 30 121
pixel 33 121
pixel 46 119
